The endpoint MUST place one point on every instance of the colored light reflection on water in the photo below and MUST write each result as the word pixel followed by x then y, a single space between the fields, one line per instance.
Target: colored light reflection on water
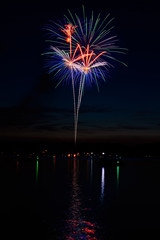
pixel 102 182
pixel 81 230
pixel 117 177
pixel 77 226
pixel 79 221
pixel 68 205
pixel 17 164
pixel 37 172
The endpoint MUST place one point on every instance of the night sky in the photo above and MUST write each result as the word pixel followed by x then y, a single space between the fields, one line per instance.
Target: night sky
pixel 127 108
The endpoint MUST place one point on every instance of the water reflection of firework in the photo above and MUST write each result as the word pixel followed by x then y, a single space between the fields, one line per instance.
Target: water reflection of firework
pixel 76 226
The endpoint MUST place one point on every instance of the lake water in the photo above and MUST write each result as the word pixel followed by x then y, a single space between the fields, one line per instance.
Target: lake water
pixel 64 198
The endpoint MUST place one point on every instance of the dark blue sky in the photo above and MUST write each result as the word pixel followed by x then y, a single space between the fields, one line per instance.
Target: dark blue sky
pixel 127 107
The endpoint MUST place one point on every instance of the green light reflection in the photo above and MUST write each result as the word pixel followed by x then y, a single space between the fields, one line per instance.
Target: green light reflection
pixel 117 177
pixel 37 172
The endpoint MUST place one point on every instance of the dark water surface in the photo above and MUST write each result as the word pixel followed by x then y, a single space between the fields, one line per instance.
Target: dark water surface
pixel 78 199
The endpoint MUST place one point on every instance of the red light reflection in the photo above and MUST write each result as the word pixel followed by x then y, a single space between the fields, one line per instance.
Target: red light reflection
pixel 77 227
pixel 80 230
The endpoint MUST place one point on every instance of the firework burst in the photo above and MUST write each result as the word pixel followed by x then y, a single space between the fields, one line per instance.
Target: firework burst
pixel 81 51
